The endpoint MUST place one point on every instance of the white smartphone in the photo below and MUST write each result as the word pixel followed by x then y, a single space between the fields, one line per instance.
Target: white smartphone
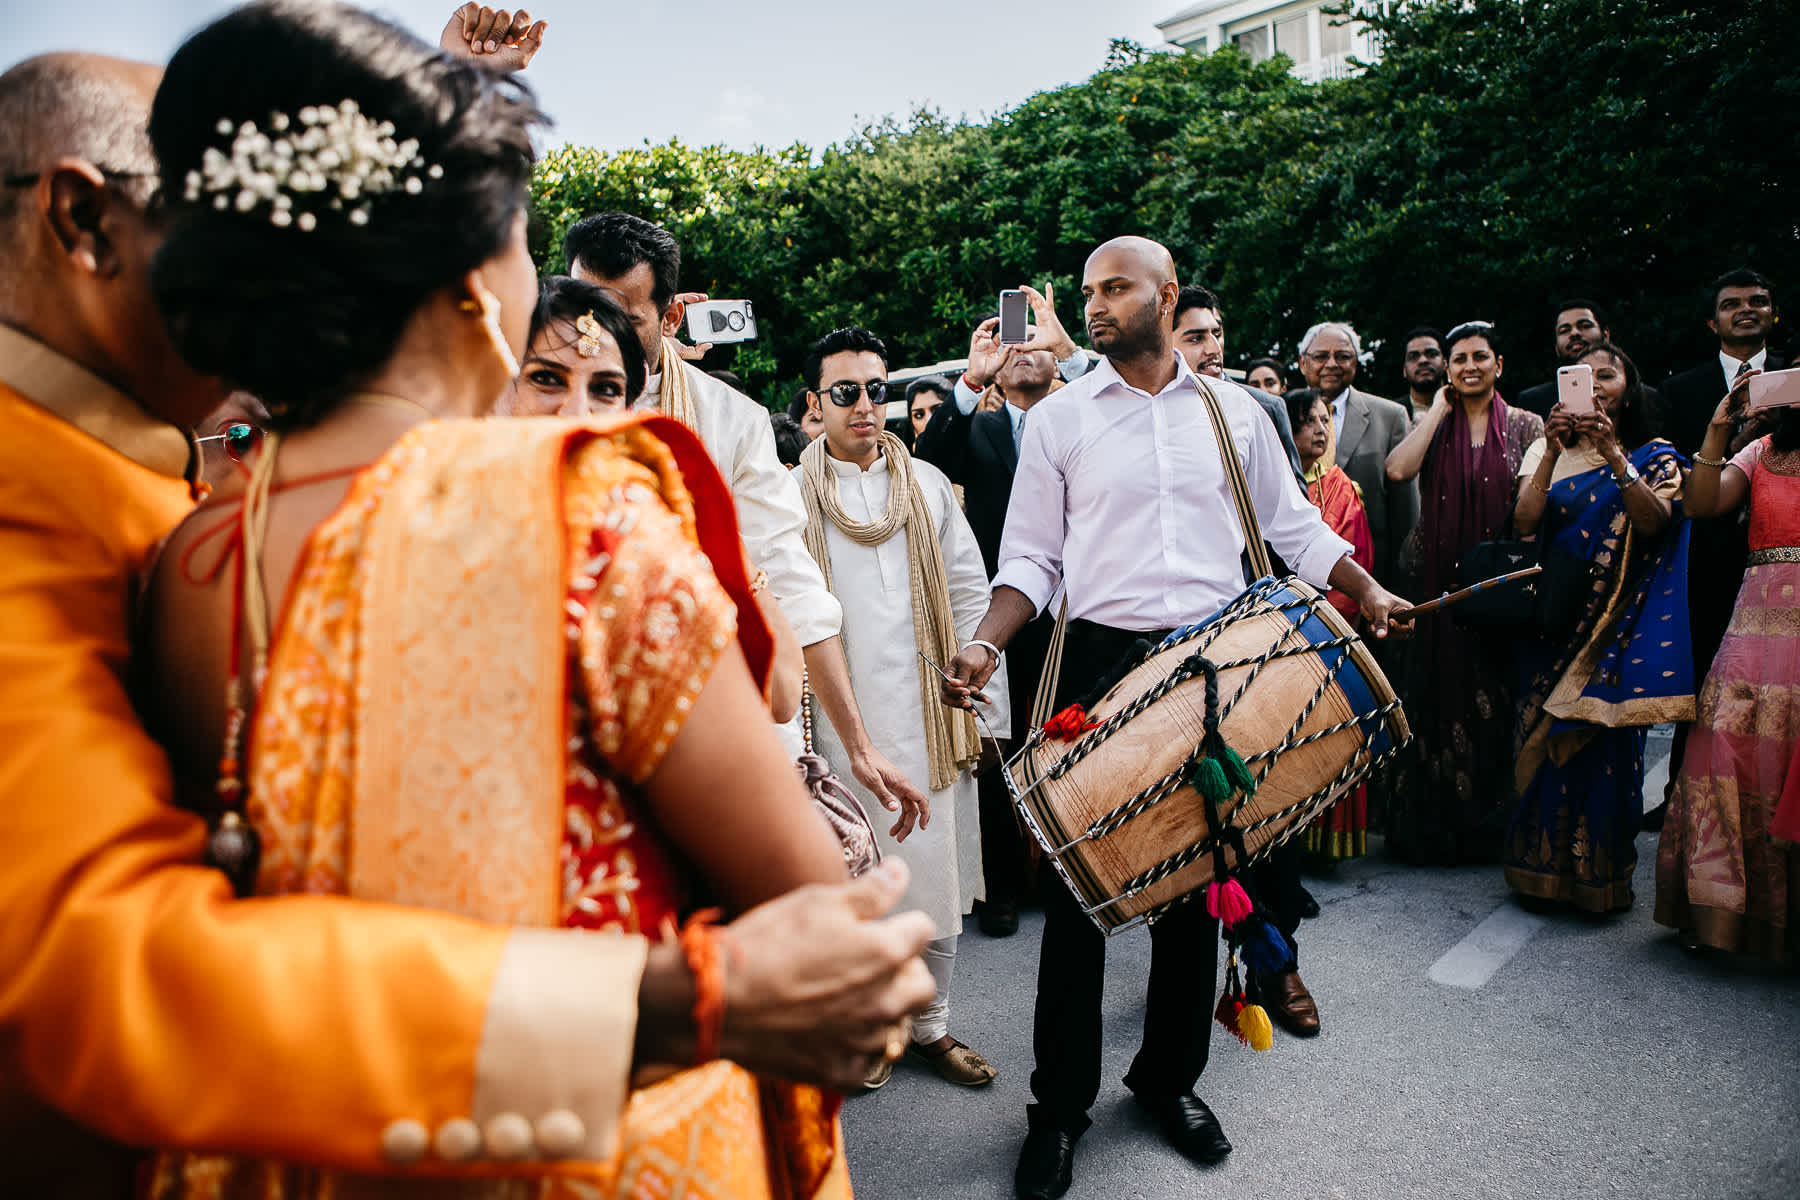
pixel 1014 310
pixel 721 321
pixel 1575 388
pixel 1774 389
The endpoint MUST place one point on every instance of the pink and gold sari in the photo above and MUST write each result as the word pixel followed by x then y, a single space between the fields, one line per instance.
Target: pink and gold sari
pixel 487 648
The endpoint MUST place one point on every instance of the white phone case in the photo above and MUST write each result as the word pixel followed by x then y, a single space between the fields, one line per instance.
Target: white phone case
pixel 1775 389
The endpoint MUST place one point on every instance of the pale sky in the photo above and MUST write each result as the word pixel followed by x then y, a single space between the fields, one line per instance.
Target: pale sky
pixel 772 72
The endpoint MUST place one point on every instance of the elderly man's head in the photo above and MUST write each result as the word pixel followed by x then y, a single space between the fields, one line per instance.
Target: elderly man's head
pixel 77 233
pixel 1329 353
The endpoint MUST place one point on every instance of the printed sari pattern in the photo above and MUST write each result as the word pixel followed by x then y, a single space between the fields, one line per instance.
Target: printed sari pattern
pixel 580 551
pixel 1341 831
pixel 1723 876
pixel 1586 698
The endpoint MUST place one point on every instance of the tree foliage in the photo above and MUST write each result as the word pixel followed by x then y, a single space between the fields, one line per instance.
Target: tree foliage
pixel 1501 154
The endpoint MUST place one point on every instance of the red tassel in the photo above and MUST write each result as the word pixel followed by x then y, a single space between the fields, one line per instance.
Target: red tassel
pixel 1226 1014
pixel 1228 901
pixel 1069 724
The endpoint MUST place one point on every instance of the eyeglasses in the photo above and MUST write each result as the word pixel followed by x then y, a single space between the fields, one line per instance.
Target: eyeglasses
pixel 240 438
pixel 1341 357
pixel 844 393
pixel 23 179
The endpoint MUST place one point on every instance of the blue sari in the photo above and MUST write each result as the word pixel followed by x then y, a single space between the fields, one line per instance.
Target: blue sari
pixel 1586 699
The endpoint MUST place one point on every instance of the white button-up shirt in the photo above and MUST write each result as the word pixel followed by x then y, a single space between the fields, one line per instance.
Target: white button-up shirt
pixel 1731 366
pixel 771 515
pixel 1122 496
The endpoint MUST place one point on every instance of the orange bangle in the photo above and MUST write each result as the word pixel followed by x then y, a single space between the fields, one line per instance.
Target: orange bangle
pixel 700 946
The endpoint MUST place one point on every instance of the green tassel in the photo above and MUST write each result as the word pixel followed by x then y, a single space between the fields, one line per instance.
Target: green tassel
pixel 1238 772
pixel 1209 781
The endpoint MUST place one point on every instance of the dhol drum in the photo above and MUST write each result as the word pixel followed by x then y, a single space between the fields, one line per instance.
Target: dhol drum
pixel 1300 699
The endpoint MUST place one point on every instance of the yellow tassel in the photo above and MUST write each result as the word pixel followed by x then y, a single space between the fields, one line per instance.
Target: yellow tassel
pixel 1253 1023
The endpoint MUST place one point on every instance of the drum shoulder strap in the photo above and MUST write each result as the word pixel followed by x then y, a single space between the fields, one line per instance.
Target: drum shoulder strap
pixel 1254 545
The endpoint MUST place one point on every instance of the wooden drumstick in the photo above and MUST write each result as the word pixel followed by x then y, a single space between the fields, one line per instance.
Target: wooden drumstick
pixel 1450 598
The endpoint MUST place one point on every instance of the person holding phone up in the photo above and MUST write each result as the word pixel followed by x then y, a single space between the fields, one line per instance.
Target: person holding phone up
pixel 1603 498
pixel 1728 857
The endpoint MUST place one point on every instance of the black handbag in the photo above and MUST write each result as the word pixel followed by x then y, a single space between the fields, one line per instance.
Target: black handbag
pixel 1549 603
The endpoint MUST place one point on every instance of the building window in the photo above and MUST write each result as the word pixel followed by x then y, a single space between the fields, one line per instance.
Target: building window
pixel 1334 36
pixel 1253 42
pixel 1290 37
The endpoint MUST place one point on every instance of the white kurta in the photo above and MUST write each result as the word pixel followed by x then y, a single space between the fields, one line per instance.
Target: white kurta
pixel 875 588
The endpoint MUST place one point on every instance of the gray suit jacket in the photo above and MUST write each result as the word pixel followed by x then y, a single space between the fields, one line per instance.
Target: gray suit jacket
pixel 1373 427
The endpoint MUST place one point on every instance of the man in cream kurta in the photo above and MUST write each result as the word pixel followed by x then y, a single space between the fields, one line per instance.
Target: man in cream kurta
pixel 854 471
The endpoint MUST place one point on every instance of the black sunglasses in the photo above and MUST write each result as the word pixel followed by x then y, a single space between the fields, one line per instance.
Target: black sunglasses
pixel 844 393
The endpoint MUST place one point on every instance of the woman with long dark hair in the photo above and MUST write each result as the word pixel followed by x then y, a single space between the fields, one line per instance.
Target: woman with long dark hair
pixel 1603 498
pixel 1449 803
pixel 1728 864
pixel 506 669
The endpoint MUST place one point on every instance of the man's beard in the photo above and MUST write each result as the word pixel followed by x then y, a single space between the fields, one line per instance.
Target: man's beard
pixel 1432 383
pixel 1139 336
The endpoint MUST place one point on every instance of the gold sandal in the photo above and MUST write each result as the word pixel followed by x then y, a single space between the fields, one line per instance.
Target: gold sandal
pixel 957 1063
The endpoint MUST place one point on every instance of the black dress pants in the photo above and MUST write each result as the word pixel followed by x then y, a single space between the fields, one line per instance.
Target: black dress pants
pixel 1003 857
pixel 1184 949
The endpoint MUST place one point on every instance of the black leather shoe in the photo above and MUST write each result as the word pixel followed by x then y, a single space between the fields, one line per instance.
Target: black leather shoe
pixel 999 918
pixel 1653 820
pixel 1189 1125
pixel 1046 1164
pixel 1309 907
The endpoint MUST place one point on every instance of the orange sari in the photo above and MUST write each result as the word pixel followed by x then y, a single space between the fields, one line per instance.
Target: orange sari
pixel 486 650
pixel 1342 831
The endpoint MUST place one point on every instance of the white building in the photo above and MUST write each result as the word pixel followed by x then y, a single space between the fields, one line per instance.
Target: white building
pixel 1320 44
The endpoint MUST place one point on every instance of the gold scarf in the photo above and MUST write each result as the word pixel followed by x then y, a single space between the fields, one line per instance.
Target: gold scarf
pixel 676 400
pixel 950 739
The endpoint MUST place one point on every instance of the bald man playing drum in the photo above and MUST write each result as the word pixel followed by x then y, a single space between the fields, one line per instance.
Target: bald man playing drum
pixel 1122 499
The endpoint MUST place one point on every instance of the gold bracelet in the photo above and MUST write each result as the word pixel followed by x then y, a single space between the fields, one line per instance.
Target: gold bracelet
pixel 1532 480
pixel 1717 464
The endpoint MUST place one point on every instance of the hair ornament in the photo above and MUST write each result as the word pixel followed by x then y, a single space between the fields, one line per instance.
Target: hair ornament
pixel 588 344
pixel 326 157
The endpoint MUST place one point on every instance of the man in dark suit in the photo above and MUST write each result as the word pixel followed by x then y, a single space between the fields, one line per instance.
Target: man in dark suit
pixel 1580 326
pixel 1742 314
pixel 1368 428
pixel 978 448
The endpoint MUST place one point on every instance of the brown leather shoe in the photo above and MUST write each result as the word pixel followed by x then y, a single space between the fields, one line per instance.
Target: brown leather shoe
pixel 1291 1005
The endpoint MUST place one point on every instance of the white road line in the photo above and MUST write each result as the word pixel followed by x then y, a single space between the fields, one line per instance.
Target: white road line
pixel 1473 961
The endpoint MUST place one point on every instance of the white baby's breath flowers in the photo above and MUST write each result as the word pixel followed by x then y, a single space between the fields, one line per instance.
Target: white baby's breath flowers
pixel 328 155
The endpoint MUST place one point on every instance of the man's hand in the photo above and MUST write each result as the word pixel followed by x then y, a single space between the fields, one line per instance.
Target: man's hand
pixel 494 37
pixel 969 672
pixel 693 353
pixel 1049 333
pixel 1379 607
pixel 893 790
pixel 985 355
pixel 816 984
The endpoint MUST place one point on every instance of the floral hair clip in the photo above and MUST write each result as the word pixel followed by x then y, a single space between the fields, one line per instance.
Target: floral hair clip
pixel 588 344
pixel 328 158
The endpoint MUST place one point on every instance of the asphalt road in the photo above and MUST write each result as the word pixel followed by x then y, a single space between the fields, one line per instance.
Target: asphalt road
pixel 1597 1059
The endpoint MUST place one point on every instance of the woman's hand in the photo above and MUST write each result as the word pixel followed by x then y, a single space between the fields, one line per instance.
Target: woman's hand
pixel 1598 429
pixel 1559 430
pixel 1731 409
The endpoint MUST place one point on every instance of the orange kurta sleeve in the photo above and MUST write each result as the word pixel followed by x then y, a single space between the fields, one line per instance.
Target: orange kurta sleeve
pixel 136 995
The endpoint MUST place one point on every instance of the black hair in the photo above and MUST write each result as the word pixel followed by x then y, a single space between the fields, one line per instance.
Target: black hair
pixel 1787 431
pixel 1575 302
pixel 1633 426
pixel 1419 331
pixel 851 339
pixel 929 383
pixel 564 300
pixel 1472 329
pixel 296 314
pixel 1194 296
pixel 611 243
pixel 729 379
pixel 1300 403
pixel 790 440
pixel 1274 364
pixel 798 405
pixel 1740 277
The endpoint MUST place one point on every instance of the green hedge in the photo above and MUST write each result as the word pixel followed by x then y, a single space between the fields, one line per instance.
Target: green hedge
pixel 1502 153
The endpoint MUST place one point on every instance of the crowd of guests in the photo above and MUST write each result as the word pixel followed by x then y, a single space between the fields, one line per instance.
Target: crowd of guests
pixel 483 711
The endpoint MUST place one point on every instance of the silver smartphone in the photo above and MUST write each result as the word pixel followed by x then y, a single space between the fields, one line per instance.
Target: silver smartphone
pixel 1014 311
pixel 1774 389
pixel 1575 388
